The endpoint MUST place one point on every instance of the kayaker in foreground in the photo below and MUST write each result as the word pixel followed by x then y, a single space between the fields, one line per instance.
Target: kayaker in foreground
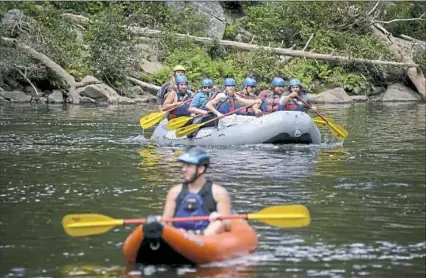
pixel 198 196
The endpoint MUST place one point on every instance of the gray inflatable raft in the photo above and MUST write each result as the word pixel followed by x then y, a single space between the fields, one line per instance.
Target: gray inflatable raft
pixel 282 127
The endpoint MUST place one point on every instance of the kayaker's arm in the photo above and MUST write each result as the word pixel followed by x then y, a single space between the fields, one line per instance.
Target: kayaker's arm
pixel 223 203
pixel 193 106
pixel 211 104
pixel 170 204
pixel 170 101
pixel 246 101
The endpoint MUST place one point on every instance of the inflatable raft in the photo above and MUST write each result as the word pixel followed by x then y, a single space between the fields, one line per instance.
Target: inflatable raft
pixel 158 244
pixel 282 127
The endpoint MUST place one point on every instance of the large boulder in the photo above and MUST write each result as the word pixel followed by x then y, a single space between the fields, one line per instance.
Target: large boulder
pixel 15 96
pixel 55 97
pixel 399 92
pixel 149 67
pixel 87 100
pixel 98 91
pixel 210 9
pixel 336 95
pixel 360 98
pixel 146 98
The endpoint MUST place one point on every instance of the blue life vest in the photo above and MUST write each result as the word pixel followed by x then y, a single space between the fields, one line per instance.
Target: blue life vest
pixel 181 110
pixel 190 204
pixel 199 100
pixel 227 105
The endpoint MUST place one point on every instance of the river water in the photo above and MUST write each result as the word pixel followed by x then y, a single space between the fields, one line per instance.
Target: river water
pixel 366 197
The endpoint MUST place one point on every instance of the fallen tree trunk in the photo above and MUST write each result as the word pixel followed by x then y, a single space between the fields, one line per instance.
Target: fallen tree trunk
pixel 150 87
pixel 57 69
pixel 418 43
pixel 281 51
pixel 414 73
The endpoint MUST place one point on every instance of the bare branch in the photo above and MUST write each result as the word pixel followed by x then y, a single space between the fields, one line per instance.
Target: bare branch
pixel 26 78
pixel 306 45
pixel 280 51
pixel 373 9
pixel 399 20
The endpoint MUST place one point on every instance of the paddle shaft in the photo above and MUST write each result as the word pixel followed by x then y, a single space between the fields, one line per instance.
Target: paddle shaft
pixel 207 217
pixel 229 113
pixel 184 219
pixel 310 107
pixel 185 102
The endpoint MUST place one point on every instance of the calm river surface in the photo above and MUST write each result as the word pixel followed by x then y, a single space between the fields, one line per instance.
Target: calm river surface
pixel 366 197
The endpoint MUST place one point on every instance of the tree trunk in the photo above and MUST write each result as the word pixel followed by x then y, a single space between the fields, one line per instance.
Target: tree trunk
pixel 57 69
pixel 148 86
pixel 281 51
pixel 414 73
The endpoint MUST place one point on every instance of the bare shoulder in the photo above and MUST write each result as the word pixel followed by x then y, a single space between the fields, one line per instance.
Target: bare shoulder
pixel 174 191
pixel 219 191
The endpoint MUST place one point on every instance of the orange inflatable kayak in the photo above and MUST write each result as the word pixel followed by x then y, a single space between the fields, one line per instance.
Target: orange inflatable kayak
pixel 157 243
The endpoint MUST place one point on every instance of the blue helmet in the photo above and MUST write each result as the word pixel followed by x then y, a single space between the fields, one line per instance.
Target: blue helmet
pixel 277 81
pixel 181 79
pixel 207 82
pixel 229 82
pixel 294 82
pixel 249 81
pixel 196 156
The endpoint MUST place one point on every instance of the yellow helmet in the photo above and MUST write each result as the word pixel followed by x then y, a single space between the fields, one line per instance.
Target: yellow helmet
pixel 179 68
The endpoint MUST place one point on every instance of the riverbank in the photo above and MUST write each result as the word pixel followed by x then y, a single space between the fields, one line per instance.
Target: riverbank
pixel 96 92
pixel 120 53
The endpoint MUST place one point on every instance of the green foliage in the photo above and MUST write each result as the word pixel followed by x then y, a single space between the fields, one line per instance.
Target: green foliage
pixel 198 64
pixel 110 45
pixel 405 10
pixel 420 59
pixel 231 31
pixel 104 48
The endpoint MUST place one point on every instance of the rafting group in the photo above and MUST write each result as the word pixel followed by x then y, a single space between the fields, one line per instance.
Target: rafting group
pixel 209 102
pixel 198 224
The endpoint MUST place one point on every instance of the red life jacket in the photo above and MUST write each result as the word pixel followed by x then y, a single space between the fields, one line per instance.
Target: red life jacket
pixel 271 102
pixel 248 111
pixel 293 105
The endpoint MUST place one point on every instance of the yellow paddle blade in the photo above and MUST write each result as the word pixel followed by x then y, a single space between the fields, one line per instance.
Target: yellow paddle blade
pixel 187 130
pixel 151 119
pixel 292 216
pixel 320 122
pixel 178 122
pixel 340 132
pixel 88 224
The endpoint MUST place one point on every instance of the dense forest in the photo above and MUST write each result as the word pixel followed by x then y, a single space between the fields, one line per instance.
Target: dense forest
pixel 107 40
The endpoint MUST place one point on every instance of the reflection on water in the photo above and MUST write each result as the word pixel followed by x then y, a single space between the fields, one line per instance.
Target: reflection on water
pixel 366 197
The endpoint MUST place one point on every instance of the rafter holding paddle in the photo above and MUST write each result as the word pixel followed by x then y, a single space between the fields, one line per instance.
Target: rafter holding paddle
pixel 338 131
pixel 194 127
pixel 290 216
pixel 153 118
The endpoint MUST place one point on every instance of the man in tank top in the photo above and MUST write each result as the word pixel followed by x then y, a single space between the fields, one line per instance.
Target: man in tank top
pixel 198 196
